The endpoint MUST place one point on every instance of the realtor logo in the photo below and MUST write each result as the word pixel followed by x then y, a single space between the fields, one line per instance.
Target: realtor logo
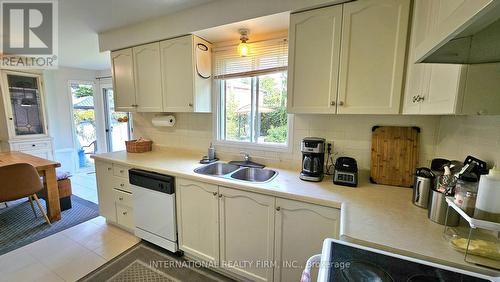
pixel 29 33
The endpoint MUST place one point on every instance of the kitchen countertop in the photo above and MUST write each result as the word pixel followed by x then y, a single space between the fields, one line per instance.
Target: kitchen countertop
pixel 377 216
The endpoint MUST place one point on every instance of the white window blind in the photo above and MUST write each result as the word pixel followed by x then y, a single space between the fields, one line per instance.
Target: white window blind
pixel 265 57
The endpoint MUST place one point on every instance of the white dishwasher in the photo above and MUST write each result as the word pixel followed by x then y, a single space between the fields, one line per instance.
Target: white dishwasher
pixel 154 208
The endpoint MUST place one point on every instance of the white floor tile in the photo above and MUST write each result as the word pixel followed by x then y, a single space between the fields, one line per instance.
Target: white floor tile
pixel 15 261
pixel 32 271
pixel 75 264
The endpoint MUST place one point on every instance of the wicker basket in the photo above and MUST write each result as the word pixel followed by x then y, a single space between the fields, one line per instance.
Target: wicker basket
pixel 139 147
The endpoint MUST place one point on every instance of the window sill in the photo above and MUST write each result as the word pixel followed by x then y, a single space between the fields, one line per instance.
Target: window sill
pixel 286 148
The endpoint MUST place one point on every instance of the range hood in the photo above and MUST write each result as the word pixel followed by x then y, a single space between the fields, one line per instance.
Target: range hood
pixel 465 40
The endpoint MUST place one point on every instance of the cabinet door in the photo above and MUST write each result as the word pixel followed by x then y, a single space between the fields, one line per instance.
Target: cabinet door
pixel 372 56
pixel 313 60
pixel 445 84
pixel 44 154
pixel 300 231
pixel 247 233
pixel 105 195
pixel 122 67
pixel 177 74
pixel 415 73
pixel 198 219
pixel 147 75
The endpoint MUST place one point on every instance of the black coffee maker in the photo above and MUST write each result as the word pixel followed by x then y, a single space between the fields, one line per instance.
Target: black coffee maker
pixel 313 158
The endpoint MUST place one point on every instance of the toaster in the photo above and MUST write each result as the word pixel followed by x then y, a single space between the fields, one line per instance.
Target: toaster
pixel 346 172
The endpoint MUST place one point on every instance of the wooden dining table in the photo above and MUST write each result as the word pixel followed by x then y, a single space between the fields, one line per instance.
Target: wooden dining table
pixel 47 170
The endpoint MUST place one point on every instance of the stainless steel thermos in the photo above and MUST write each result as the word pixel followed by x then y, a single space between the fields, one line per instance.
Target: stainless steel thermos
pixel 424 181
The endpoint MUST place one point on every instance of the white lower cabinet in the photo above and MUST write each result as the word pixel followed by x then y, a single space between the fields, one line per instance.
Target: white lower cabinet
pixel 38 147
pixel 255 236
pixel 247 233
pixel 114 194
pixel 299 233
pixel 105 194
pixel 198 219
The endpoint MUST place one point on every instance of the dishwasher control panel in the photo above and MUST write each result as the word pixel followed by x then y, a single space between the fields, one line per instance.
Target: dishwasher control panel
pixel 152 180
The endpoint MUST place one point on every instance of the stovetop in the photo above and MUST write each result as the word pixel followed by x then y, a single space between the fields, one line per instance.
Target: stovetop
pixel 347 263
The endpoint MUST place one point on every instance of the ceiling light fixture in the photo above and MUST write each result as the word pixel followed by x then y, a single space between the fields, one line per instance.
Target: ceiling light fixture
pixel 243 47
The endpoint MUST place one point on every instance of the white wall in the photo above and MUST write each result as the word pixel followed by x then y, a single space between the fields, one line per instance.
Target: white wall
pixel 58 104
pixel 478 136
pixel 200 17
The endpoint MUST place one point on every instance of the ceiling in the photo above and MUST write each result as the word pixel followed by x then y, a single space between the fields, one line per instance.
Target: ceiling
pixel 81 20
pixel 257 28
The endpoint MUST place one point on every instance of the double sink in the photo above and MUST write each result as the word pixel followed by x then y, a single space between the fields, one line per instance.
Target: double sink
pixel 236 172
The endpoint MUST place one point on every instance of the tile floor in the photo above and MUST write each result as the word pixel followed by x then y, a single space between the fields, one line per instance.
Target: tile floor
pixel 67 255
pixel 83 185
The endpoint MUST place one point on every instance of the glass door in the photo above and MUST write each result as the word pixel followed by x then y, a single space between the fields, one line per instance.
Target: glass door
pixel 85 133
pixel 26 103
pixel 118 124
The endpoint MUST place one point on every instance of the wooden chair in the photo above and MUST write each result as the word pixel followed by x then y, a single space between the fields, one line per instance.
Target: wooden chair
pixel 20 181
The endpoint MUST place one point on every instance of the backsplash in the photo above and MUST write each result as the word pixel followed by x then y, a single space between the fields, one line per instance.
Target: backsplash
pixel 460 136
pixel 351 135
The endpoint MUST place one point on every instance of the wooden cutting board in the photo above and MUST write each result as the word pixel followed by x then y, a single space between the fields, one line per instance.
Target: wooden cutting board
pixel 394 155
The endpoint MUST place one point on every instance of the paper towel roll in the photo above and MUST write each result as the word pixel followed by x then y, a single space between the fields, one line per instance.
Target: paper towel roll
pixel 163 121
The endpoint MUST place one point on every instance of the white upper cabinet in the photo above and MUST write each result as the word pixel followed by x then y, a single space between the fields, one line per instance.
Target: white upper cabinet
pixel 372 56
pixel 293 221
pixel 147 77
pixel 186 74
pixel 442 89
pixel 246 233
pixel 313 60
pixel 198 219
pixel 348 59
pixel 169 76
pixel 430 88
pixel 122 65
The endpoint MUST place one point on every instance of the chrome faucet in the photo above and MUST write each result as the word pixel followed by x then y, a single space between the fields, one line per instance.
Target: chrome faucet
pixel 246 156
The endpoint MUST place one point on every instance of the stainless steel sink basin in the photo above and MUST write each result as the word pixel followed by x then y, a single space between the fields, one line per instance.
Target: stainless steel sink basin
pixel 254 174
pixel 217 169
pixel 236 172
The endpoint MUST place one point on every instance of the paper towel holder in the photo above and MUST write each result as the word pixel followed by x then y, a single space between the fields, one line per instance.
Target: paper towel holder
pixel 163 121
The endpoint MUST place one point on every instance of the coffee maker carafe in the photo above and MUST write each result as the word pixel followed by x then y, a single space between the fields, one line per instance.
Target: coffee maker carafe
pixel 313 158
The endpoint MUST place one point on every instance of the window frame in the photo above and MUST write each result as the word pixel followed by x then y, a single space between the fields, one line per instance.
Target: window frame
pixel 219 118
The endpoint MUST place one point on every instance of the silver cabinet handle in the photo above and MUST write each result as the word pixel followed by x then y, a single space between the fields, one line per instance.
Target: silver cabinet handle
pixel 341 103
pixel 332 103
pixel 278 208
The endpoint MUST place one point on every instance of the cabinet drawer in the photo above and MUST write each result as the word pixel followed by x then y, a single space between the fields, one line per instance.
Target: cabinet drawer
pixel 120 171
pixel 125 216
pixel 121 184
pixel 122 198
pixel 32 146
